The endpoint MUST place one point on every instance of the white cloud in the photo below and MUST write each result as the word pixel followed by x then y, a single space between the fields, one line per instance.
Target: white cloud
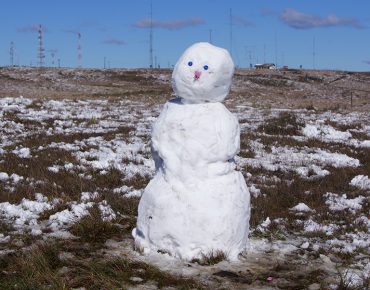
pixel 170 24
pixel 300 20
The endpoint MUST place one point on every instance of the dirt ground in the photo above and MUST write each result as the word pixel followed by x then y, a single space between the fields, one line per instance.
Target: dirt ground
pixel 325 90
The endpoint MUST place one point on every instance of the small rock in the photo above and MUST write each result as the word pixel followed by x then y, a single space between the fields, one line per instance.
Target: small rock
pixel 314 286
pixel 136 279
pixel 305 245
pixel 334 259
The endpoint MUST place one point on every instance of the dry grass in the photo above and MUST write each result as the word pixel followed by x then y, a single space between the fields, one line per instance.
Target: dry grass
pixel 66 183
pixel 211 258
pixel 92 228
pixel 138 181
pixel 125 207
pixel 36 269
pixel 111 179
pixel 275 88
pixel 5 227
pixel 42 267
pixel 246 150
pixel 285 124
pixel 275 201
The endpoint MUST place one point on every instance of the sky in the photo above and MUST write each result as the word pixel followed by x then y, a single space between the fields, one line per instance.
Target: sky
pixel 320 34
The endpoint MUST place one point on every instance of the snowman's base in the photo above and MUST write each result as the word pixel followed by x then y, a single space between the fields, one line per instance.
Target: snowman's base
pixel 189 223
pixel 186 254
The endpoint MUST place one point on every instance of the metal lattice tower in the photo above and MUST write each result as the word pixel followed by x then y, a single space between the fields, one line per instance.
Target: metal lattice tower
pixel 11 51
pixel 41 50
pixel 79 51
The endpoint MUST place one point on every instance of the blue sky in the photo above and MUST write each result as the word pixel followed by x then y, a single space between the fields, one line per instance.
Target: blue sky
pixel 117 30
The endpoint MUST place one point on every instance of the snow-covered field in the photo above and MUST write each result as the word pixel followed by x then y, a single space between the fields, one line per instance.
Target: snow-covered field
pixel 63 161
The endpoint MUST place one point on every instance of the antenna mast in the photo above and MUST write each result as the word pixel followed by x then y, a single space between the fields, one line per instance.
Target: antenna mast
pixel 313 53
pixel 231 32
pixel 151 36
pixel 52 53
pixel 276 51
pixel 79 52
pixel 41 55
pixel 11 51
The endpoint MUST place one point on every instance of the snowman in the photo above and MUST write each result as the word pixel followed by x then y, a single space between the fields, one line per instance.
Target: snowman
pixel 197 203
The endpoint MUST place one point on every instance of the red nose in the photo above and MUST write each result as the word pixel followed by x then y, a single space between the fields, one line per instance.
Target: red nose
pixel 197 74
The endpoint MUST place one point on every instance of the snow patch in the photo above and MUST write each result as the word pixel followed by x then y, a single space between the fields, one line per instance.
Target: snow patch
pixel 301 207
pixel 325 132
pixel 340 203
pixel 25 214
pixel 22 152
pixel 4 176
pixel 67 217
pixel 361 181
pixel 312 226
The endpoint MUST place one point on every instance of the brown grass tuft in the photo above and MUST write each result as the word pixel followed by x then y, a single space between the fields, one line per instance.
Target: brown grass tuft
pixel 211 258
pixel 93 229
pixel 285 124
pixel 126 207
pixel 138 181
pixel 113 178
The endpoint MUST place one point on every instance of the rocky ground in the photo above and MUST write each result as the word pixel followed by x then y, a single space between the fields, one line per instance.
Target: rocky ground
pixel 75 158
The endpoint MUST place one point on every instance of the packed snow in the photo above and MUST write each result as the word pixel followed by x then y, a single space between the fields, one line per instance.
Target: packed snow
pixel 197 203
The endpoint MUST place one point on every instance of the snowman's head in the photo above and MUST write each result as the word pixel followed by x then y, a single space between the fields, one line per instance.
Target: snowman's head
pixel 203 74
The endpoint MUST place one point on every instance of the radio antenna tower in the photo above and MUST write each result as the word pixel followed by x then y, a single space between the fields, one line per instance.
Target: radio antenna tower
pixel 79 52
pixel 313 53
pixel 276 51
pixel 11 51
pixel 231 32
pixel 52 53
pixel 41 50
pixel 151 36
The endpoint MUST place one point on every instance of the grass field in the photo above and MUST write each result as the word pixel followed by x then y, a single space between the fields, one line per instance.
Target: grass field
pixel 75 158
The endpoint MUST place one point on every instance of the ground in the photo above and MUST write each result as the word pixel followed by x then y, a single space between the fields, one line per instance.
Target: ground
pixel 75 158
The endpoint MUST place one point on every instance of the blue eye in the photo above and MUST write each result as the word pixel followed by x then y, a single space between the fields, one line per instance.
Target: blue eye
pixel 205 67
pixel 190 63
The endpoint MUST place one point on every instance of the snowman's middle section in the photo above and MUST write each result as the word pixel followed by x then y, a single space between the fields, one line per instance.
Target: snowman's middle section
pixel 196 141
